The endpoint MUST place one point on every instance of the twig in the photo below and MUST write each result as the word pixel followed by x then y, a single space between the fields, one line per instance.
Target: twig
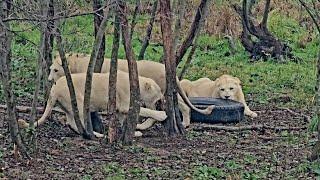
pixel 306 118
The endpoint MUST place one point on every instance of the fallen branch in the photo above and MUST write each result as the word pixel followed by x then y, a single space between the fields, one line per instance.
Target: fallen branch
pixel 306 118
pixel 258 127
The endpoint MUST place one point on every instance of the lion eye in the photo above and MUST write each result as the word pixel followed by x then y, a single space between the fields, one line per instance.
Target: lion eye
pixel 55 70
pixel 221 89
pixel 231 88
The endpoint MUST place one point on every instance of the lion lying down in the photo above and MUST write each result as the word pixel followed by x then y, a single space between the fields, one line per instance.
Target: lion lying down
pixel 150 94
pixel 78 63
pixel 225 87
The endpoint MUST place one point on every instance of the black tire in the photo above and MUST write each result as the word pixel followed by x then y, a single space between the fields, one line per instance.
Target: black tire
pixel 225 111
pixel 97 124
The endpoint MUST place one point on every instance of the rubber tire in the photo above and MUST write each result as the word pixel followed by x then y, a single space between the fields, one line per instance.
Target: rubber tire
pixel 225 111
pixel 97 124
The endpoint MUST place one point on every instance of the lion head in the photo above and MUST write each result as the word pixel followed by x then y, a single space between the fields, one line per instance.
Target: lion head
pixel 227 87
pixel 56 69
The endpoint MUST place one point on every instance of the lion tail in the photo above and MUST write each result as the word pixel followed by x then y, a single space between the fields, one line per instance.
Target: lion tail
pixel 208 110
pixel 50 104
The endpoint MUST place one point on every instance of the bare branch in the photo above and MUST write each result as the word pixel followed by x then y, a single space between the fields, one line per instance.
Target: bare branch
pixel 203 7
pixel 66 70
pixel 149 30
pixel 88 84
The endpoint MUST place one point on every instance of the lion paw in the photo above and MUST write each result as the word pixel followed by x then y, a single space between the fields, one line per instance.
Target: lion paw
pixel 252 114
pixel 22 123
pixel 137 134
pixel 98 135
pixel 161 116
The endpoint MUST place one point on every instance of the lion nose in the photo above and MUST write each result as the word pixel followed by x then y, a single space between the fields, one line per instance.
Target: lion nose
pixel 227 97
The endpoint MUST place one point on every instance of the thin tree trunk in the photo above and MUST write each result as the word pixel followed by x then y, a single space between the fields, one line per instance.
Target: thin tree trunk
pixel 130 123
pixel 98 18
pixel 66 70
pixel 112 106
pixel 180 8
pixel 37 81
pixel 48 46
pixel 88 85
pixel 5 51
pixel 170 66
pixel 43 49
pixel 134 17
pixel 192 31
pixel 195 43
pixel 146 40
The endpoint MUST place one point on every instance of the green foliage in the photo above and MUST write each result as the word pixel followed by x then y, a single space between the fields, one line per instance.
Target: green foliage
pixel 114 171
pixel 313 125
pixel 87 177
pixel 205 172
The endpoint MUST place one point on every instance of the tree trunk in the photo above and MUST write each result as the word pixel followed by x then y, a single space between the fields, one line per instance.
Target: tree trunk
pixel 130 123
pixel 98 18
pixel 45 50
pixel 66 70
pixel 266 44
pixel 5 51
pixel 172 111
pixel 201 11
pixel 112 106
pixel 195 43
pixel 93 58
pixel 134 17
pixel 146 40
pixel 48 11
pixel 180 8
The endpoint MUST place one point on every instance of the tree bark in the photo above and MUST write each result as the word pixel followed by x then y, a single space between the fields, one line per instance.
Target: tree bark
pixel 130 123
pixel 180 8
pixel 266 44
pixel 5 51
pixel 146 40
pixel 98 18
pixel 48 46
pixel 66 70
pixel 112 106
pixel 195 43
pixel 203 7
pixel 93 58
pixel 134 17
pixel 172 111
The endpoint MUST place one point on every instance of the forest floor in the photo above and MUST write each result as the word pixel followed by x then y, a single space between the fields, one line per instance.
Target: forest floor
pixel 202 154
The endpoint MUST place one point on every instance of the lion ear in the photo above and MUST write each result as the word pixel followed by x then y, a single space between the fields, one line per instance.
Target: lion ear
pixel 147 86
pixel 237 80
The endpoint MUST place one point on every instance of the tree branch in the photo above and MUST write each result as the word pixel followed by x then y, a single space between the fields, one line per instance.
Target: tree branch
pixel 74 104
pixel 192 31
pixel 149 30
pixel 88 83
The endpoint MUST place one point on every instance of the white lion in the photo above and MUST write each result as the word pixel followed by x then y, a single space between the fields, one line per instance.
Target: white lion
pixel 78 63
pixel 150 93
pixel 225 87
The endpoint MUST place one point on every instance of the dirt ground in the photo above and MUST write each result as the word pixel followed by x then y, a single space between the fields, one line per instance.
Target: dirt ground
pixel 203 154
